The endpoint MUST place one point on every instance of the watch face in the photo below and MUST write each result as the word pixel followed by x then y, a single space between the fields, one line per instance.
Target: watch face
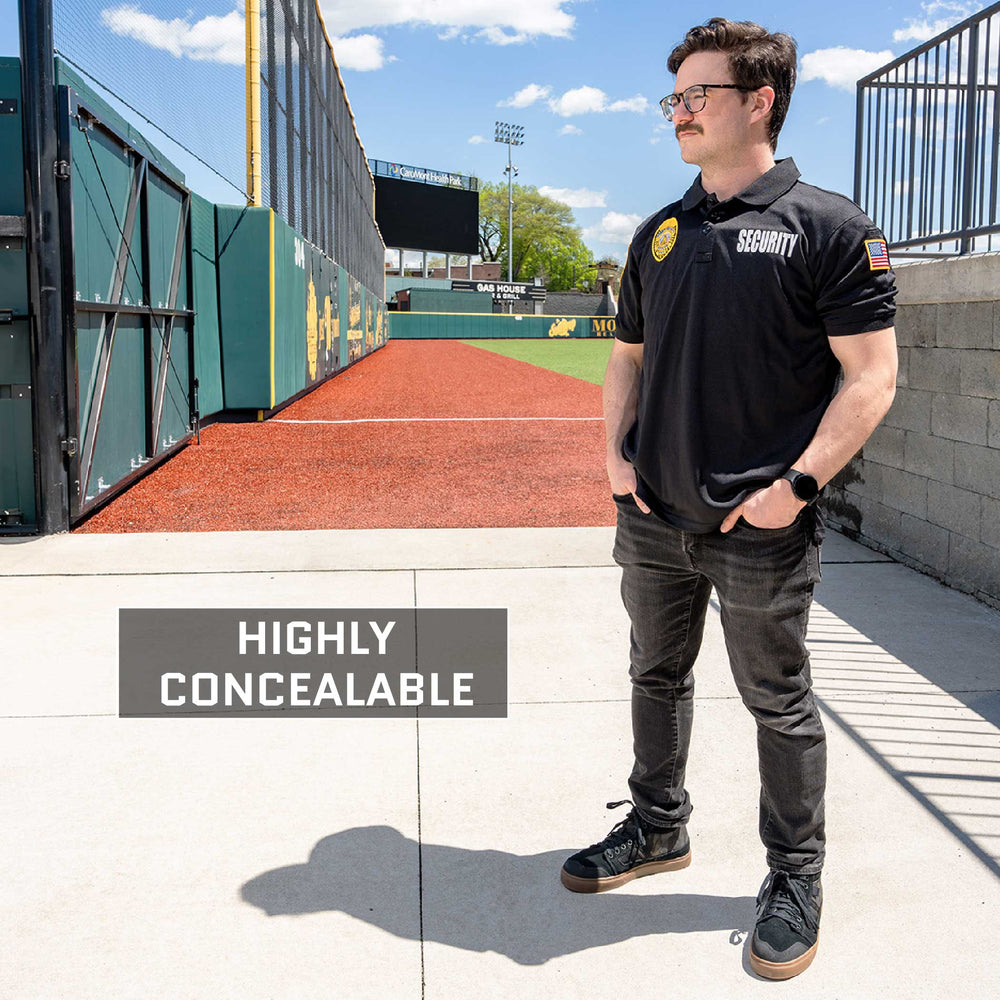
pixel 805 487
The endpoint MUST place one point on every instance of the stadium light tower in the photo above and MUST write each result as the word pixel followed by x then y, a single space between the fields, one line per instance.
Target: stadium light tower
pixel 512 135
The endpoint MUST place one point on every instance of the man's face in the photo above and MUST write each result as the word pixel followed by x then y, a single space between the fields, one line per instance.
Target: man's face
pixel 721 131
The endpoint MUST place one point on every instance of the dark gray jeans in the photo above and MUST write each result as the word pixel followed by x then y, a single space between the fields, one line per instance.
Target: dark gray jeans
pixel 764 581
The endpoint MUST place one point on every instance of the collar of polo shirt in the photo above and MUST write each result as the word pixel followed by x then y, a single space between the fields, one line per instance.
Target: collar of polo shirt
pixel 767 188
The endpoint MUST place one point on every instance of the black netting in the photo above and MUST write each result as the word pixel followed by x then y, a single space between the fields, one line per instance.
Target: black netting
pixel 192 85
pixel 139 55
pixel 314 171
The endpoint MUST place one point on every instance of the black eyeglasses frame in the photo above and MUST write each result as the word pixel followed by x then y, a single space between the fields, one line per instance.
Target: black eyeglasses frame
pixel 670 102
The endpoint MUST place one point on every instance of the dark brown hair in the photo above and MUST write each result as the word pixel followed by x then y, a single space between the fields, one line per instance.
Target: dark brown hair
pixel 757 58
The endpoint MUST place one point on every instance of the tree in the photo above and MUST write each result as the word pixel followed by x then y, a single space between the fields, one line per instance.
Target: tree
pixel 547 241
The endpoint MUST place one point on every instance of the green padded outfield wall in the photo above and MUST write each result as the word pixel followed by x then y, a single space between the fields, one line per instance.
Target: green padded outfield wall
pixel 207 346
pixel 427 300
pixel 17 462
pixel 289 260
pixel 322 316
pixel 289 316
pixel 243 236
pixel 497 326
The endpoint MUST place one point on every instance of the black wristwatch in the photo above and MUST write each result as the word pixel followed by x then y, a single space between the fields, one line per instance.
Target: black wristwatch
pixel 804 486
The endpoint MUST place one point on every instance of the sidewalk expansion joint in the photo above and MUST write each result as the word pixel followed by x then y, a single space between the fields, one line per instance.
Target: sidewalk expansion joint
pixel 302 569
pixel 420 825
pixel 420 870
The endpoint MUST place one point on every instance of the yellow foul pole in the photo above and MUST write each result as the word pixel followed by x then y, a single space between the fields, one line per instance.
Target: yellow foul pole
pixel 253 103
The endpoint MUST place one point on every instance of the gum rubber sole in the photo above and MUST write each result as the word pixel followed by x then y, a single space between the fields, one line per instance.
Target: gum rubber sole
pixel 782 970
pixel 576 884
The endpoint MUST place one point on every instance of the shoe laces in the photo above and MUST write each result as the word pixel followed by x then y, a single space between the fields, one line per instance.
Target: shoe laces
pixel 789 898
pixel 624 835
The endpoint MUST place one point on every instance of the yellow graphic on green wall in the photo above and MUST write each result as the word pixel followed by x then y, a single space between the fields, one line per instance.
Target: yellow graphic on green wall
pixel 562 327
pixel 327 323
pixel 312 330
pixel 355 334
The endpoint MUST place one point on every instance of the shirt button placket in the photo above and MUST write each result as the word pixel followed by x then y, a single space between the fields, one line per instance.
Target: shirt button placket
pixel 706 238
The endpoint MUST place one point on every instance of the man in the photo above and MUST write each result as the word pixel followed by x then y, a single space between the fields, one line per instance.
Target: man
pixel 739 305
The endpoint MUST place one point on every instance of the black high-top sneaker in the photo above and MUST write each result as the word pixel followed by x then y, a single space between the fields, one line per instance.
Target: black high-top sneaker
pixel 785 937
pixel 631 850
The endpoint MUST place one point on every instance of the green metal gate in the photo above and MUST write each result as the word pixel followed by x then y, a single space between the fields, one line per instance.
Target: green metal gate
pixel 126 240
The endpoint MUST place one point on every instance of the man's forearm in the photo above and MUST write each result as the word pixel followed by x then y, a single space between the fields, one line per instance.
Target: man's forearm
pixel 869 363
pixel 847 424
pixel 620 395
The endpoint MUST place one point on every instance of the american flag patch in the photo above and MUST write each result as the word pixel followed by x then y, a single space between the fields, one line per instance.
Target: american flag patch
pixel 878 255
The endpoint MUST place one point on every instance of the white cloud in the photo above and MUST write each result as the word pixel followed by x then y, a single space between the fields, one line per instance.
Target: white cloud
pixel 615 227
pixel 223 39
pixel 823 120
pixel 526 96
pixel 937 17
pixel 212 39
pixel 591 100
pixel 576 198
pixel 637 103
pixel 477 139
pixel 502 22
pixel 498 36
pixel 842 67
pixel 580 101
pixel 570 130
pixel 360 52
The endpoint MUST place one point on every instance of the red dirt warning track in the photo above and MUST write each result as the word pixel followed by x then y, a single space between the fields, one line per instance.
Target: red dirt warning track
pixel 387 467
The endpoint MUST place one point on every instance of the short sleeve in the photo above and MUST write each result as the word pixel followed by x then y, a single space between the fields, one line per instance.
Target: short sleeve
pixel 855 286
pixel 628 321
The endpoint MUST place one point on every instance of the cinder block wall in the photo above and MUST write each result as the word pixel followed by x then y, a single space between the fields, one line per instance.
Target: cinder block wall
pixel 926 487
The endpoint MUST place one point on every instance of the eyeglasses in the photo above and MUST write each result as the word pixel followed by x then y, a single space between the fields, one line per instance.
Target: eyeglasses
pixel 695 97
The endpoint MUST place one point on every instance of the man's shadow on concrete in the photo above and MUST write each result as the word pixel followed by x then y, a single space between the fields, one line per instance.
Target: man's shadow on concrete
pixel 480 900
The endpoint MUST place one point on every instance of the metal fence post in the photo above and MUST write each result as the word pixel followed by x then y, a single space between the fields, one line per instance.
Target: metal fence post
pixel 859 138
pixel 968 167
pixel 42 173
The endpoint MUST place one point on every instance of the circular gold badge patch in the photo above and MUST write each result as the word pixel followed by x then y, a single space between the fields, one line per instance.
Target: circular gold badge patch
pixel 664 239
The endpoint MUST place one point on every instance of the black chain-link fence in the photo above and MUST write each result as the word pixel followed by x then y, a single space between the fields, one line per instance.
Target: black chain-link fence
pixel 315 173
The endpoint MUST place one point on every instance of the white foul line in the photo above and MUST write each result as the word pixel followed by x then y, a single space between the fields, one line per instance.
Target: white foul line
pixel 421 420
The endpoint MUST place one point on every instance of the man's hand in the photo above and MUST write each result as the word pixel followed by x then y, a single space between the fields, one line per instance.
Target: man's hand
pixel 775 507
pixel 621 475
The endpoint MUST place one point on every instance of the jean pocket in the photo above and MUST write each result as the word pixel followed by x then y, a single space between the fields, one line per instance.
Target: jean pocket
pixel 796 524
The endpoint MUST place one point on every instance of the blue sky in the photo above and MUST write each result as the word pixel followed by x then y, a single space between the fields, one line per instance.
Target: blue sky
pixel 427 80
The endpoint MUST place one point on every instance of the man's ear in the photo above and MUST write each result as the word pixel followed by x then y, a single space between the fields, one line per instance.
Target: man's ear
pixel 763 101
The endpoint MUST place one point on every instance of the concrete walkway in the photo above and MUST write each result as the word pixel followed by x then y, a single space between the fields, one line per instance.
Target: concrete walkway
pixel 261 858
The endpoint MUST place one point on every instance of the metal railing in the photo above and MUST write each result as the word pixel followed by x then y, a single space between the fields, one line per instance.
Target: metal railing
pixel 926 147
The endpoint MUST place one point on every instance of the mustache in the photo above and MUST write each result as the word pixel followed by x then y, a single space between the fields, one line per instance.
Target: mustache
pixel 680 130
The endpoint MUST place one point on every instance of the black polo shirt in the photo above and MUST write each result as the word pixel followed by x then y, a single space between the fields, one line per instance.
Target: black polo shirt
pixel 734 303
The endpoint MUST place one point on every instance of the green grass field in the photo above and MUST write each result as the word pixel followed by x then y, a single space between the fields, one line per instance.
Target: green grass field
pixel 580 358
